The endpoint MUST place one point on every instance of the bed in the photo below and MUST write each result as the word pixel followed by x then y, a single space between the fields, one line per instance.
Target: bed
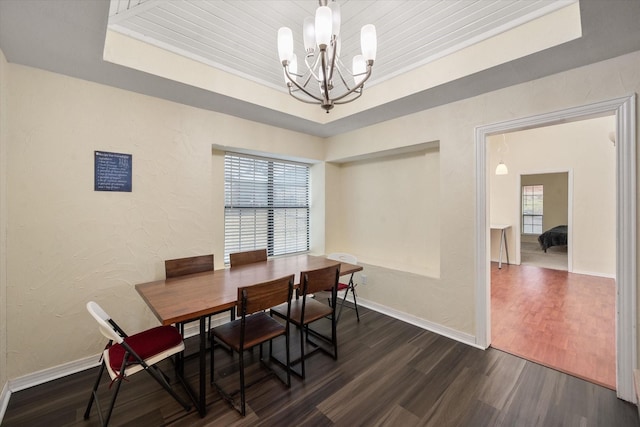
pixel 556 236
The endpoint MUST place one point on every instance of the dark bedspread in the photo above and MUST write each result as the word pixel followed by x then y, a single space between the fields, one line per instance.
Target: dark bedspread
pixel 557 236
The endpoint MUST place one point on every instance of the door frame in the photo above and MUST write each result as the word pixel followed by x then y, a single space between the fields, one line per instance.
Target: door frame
pixel 624 109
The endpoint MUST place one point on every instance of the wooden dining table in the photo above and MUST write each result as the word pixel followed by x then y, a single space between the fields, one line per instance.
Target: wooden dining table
pixel 197 296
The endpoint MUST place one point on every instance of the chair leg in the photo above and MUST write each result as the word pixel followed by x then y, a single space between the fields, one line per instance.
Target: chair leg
pixel 211 364
pixel 344 299
pixel 113 402
pixel 242 391
pixel 355 302
pixel 288 356
pixel 302 344
pixel 334 336
pixel 156 374
pixel 94 391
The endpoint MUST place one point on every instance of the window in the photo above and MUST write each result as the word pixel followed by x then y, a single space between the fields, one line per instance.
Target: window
pixel 266 205
pixel 532 197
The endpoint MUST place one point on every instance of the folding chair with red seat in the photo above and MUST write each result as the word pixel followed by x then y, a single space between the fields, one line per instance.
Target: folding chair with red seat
pixel 348 286
pixel 126 355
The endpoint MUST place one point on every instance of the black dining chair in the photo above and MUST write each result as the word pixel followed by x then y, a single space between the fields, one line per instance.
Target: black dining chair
pixel 185 266
pixel 237 259
pixel 306 310
pixel 253 328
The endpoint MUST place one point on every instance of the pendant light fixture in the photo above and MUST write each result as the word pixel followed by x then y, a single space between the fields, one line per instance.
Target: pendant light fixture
pixel 502 169
pixel 322 78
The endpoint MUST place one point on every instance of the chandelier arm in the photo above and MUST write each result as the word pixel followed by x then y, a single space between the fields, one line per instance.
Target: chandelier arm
pixel 295 95
pixel 344 82
pixel 360 85
pixel 333 57
pixel 289 74
pixel 346 101
pixel 306 82
pixel 294 82
pixel 312 67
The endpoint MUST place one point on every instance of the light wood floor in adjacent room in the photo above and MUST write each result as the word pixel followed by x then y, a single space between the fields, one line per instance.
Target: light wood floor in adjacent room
pixel 388 373
pixel 562 320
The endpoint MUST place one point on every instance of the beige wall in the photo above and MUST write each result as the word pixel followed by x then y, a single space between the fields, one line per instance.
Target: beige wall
pixel 584 148
pixel 555 202
pixel 69 244
pixel 3 222
pixel 393 199
pixel 448 301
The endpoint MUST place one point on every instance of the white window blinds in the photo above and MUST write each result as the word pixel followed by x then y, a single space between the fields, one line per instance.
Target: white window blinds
pixel 532 208
pixel 266 205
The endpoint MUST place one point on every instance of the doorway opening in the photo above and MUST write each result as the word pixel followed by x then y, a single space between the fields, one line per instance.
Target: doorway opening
pixel 544 236
pixel 625 236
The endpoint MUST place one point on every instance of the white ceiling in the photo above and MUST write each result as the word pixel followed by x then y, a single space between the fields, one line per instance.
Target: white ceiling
pixel 241 36
pixel 68 37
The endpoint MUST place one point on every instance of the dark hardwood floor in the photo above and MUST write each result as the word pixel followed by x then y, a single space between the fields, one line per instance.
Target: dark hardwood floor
pixel 388 373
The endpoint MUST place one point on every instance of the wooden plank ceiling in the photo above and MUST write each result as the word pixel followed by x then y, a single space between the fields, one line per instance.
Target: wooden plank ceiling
pixel 241 36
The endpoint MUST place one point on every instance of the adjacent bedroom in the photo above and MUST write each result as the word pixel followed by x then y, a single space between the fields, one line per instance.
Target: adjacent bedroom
pixel 545 219
pixel 553 270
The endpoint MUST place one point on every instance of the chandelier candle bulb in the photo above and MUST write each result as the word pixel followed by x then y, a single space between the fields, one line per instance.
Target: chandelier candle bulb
pixel 323 27
pixel 309 33
pixel 359 68
pixel 368 42
pixel 335 18
pixel 285 44
pixel 293 65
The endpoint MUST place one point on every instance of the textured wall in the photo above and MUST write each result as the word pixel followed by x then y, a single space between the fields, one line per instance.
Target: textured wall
pixel 3 221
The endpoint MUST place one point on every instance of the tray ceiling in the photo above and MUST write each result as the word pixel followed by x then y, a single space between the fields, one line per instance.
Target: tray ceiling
pixel 68 37
pixel 240 37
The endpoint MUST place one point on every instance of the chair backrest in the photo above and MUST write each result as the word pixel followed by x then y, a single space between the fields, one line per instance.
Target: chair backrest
pixel 343 257
pixel 106 325
pixel 321 279
pixel 190 265
pixel 247 257
pixel 265 295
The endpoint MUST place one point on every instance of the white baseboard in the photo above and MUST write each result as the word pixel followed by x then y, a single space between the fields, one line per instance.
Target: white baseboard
pixel 53 373
pixel 591 273
pixel 4 400
pixel 44 376
pixel 421 323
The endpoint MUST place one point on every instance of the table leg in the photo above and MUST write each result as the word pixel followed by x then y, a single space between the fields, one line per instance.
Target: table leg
pixel 502 240
pixel 200 400
pixel 506 248
pixel 203 366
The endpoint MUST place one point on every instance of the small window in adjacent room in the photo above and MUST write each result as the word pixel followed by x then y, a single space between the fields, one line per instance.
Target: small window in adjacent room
pixel 532 208
pixel 266 205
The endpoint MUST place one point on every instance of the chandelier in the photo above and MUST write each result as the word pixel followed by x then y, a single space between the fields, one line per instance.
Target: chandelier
pixel 324 79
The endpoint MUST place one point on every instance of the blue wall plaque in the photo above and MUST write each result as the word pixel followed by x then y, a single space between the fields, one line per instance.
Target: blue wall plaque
pixel 112 171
